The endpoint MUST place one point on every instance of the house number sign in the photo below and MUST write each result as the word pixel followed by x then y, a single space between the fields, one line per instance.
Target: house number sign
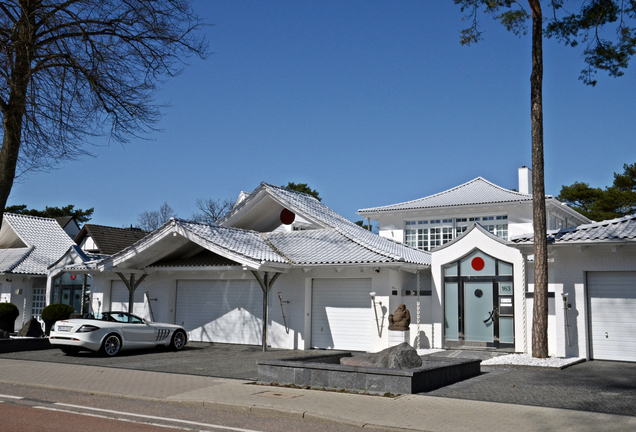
pixel 505 288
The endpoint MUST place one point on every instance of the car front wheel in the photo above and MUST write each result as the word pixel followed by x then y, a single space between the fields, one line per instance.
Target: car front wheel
pixel 111 345
pixel 178 340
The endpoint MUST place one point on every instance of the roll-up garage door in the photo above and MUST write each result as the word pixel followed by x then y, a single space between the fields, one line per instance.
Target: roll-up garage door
pixel 612 306
pixel 225 311
pixel 341 314
pixel 119 298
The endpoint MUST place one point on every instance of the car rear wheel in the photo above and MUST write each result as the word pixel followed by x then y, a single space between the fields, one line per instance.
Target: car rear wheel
pixel 70 350
pixel 111 345
pixel 178 340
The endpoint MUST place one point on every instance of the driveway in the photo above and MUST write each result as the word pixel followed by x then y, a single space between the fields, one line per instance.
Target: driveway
pixel 596 386
pixel 196 358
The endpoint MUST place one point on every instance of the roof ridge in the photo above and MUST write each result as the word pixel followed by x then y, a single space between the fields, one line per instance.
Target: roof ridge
pixel 447 191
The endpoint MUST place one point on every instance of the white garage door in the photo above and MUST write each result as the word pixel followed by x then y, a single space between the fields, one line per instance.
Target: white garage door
pixel 612 307
pixel 119 298
pixel 228 311
pixel 341 314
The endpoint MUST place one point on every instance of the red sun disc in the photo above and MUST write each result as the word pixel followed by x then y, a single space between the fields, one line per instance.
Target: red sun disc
pixel 478 263
pixel 287 217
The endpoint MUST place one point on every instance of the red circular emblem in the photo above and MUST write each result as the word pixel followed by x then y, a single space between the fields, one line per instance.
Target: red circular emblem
pixel 478 263
pixel 287 217
pixel 73 277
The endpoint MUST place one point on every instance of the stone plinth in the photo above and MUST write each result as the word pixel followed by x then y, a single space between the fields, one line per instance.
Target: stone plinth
pixel 324 371
pixel 398 337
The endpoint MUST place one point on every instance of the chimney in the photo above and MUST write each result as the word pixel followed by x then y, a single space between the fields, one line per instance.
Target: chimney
pixel 525 180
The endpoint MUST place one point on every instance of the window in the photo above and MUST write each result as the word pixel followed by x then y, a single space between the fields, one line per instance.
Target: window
pixel 39 301
pixel 445 230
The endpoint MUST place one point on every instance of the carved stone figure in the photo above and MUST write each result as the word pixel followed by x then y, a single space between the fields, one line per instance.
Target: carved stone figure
pixel 400 319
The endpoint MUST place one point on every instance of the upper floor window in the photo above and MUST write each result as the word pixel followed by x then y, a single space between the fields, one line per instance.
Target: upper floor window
pixel 431 233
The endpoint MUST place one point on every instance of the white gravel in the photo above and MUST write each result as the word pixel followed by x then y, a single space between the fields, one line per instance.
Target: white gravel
pixel 422 352
pixel 528 360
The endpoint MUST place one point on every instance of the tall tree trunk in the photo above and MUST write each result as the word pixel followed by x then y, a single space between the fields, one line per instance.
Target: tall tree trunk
pixel 14 109
pixel 540 310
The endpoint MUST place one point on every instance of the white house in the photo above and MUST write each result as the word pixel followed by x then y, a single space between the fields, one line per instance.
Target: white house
pixel 482 271
pixel 283 269
pixel 592 275
pixel 28 245
pixel 311 286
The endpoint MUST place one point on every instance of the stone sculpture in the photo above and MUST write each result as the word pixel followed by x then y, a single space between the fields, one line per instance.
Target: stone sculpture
pixel 400 319
pixel 402 356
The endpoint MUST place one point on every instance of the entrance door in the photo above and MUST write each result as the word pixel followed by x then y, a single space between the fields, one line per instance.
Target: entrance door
pixel 479 312
pixel 478 303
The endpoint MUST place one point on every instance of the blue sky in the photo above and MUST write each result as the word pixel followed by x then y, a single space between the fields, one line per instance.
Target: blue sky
pixel 369 102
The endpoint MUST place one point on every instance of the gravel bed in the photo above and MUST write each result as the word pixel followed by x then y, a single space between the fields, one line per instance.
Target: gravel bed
pixel 528 360
pixel 428 351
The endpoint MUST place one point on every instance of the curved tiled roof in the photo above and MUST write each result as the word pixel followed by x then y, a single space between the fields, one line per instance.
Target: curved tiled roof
pixel 247 243
pixel 309 207
pixel 45 235
pixel 621 229
pixel 477 191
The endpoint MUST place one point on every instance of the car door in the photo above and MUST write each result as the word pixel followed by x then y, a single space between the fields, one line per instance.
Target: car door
pixel 135 330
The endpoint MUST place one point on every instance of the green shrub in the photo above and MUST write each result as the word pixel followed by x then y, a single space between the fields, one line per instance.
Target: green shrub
pixel 56 312
pixel 8 312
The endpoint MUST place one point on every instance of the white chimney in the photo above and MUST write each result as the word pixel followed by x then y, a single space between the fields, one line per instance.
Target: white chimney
pixel 525 180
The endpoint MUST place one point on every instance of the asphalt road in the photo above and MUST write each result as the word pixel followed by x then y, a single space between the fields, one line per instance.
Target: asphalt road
pixel 30 409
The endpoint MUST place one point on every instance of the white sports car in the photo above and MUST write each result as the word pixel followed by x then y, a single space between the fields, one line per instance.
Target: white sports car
pixel 112 332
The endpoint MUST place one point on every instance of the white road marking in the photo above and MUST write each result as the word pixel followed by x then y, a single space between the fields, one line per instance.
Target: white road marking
pixel 110 418
pixel 10 397
pixel 158 418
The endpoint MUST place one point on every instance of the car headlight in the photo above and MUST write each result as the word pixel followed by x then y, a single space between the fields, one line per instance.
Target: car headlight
pixel 87 328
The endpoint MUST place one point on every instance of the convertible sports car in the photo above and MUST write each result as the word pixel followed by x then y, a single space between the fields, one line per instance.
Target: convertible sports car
pixel 111 332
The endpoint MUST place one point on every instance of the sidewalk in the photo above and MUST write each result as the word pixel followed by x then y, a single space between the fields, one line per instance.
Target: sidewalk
pixel 416 412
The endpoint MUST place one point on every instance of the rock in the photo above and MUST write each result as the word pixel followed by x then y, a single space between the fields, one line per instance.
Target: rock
pixel 402 356
pixel 32 328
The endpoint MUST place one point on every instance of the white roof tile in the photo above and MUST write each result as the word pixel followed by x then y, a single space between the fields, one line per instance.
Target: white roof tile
pixel 621 229
pixel 247 243
pixel 46 236
pixel 309 207
pixel 477 191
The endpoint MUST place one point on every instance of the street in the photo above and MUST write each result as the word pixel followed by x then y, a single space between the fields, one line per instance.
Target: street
pixel 30 409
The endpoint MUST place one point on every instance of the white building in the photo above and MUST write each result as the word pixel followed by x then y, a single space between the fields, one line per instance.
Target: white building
pixel 328 283
pixel 28 245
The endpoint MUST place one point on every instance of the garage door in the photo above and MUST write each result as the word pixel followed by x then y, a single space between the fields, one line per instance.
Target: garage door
pixel 227 311
pixel 612 303
pixel 341 314
pixel 119 298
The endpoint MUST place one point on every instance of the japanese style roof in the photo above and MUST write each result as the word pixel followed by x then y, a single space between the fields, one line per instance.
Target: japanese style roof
pixel 35 243
pixel 613 230
pixel 110 240
pixel 337 241
pixel 249 244
pixel 477 191
pixel 315 211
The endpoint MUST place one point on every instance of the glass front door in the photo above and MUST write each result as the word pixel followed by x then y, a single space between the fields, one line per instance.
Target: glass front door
pixel 479 303
pixel 479 312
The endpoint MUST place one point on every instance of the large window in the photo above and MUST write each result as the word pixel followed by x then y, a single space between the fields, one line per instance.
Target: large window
pixel 431 233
